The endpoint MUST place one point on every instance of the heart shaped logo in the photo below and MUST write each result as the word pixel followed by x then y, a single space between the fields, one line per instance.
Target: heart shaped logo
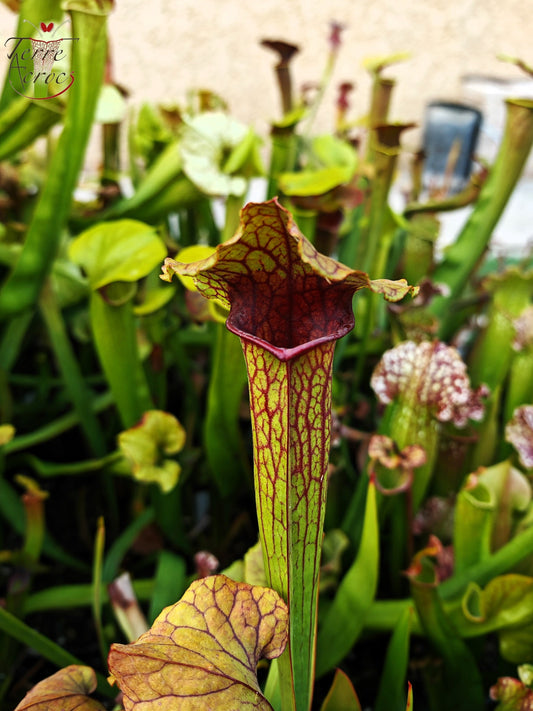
pixel 47 28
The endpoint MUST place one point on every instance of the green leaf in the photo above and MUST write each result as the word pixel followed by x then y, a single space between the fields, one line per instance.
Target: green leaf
pixel 341 696
pixel 459 681
pixel 334 545
pixel 313 182
pixel 122 544
pixel 21 289
pixel 511 491
pixel 203 651
pixel 474 516
pixel 332 162
pixel 224 446
pixel 391 695
pixel 126 250
pixel 169 582
pixel 66 690
pixel 331 151
pixel 344 620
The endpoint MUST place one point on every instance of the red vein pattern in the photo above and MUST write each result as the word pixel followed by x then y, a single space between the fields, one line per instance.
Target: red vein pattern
pixel 288 304
pixel 66 690
pixel 291 410
pixel 202 652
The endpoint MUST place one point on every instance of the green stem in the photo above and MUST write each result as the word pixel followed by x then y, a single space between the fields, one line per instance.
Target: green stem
pixel 21 290
pixel 283 156
pixel 222 434
pixel 34 11
pixel 115 340
pixel 23 121
pixel 52 469
pixel 462 257
pixel 14 334
pixel 379 110
pixel 233 209
pixel 73 378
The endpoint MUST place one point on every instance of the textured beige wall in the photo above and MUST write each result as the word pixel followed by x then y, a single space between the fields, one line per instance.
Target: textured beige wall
pixel 163 47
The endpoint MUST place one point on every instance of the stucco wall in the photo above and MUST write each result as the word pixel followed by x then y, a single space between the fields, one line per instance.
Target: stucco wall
pixel 163 47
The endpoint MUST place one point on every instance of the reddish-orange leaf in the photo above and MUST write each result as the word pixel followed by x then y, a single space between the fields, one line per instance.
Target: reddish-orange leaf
pixel 66 690
pixel 202 652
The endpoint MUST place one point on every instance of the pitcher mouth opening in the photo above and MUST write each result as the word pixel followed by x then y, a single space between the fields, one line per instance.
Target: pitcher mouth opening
pixel 284 353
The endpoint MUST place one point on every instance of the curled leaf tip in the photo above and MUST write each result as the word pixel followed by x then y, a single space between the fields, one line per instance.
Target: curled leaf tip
pixel 282 293
pixel 393 290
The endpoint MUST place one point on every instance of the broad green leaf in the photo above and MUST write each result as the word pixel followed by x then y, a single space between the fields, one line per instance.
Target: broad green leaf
pixel 125 250
pixel 332 162
pixel 203 651
pixel 66 690
pixel 331 151
pixel 345 618
pixel 341 696
pixel 145 446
